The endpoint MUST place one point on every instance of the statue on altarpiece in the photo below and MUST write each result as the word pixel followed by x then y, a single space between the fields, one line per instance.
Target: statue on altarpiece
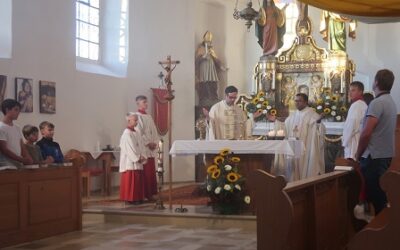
pixel 208 67
pixel 333 30
pixel 270 28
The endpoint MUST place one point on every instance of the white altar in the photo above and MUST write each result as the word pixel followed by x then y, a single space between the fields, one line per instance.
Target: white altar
pixel 192 147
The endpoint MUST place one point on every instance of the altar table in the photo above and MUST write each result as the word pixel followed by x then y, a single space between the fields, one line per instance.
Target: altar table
pixel 254 154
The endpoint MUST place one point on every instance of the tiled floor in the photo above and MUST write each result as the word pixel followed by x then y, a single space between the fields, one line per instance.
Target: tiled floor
pixel 135 236
pixel 98 235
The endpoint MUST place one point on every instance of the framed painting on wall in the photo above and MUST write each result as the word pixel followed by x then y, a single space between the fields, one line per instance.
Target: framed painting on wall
pixel 3 85
pixel 47 92
pixel 23 94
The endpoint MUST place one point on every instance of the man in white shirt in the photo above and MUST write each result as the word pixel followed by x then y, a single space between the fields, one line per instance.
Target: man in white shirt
pixel 150 140
pixel 352 125
pixel 11 145
pixel 132 158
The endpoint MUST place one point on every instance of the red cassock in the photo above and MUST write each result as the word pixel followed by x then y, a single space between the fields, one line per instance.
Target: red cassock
pixel 132 186
pixel 150 181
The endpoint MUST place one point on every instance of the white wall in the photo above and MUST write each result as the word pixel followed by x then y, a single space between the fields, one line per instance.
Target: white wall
pixel 91 107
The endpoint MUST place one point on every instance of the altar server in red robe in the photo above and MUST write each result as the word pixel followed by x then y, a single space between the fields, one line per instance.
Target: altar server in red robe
pixel 131 163
pixel 150 139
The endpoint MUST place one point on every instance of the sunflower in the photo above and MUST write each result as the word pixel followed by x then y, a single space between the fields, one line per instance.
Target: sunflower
pixel 327 110
pixel 255 100
pixel 235 159
pixel 259 111
pixel 327 91
pixel 232 177
pixel 260 94
pixel 335 98
pixel 216 174
pixel 265 103
pixel 320 101
pixel 343 109
pixel 218 160
pixel 211 169
pixel 224 151
pixel 273 111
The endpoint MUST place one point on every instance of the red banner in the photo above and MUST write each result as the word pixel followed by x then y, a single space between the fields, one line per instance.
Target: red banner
pixel 160 110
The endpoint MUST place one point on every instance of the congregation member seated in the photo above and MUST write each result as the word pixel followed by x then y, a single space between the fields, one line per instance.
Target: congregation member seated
pixel 31 134
pixel 48 147
pixel 12 150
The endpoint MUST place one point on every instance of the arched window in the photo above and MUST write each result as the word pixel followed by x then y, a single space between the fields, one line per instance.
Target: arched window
pixel 102 36
pixel 88 29
pixel 5 28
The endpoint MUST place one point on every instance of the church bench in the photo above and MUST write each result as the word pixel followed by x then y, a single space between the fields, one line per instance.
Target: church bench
pixel 39 203
pixel 314 213
pixel 382 231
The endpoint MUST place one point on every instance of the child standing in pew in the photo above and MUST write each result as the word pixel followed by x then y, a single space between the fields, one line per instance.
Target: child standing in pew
pixel 48 147
pixel 12 150
pixel 31 134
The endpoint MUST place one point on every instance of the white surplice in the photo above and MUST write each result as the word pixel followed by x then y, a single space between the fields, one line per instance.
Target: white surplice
pixel 227 122
pixel 352 128
pixel 149 133
pixel 303 125
pixel 131 149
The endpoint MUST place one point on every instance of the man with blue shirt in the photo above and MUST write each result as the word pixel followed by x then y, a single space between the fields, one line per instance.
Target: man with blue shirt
pixel 376 147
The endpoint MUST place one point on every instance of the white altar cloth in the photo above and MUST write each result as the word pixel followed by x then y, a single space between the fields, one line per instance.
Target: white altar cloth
pixel 192 147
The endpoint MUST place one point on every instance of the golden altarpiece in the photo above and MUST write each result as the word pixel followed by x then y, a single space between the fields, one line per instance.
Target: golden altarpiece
pixel 303 68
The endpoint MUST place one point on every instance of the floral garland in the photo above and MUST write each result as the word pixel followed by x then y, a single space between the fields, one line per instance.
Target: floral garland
pixel 260 104
pixel 224 183
pixel 331 106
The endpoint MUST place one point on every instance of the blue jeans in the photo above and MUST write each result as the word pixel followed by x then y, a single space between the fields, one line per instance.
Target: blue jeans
pixel 372 170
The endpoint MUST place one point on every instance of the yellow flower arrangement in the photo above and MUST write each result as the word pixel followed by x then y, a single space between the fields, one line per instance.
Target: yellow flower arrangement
pixel 225 185
pixel 260 103
pixel 331 105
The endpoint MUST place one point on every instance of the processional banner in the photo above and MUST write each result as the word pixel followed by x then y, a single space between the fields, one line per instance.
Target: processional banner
pixel 160 110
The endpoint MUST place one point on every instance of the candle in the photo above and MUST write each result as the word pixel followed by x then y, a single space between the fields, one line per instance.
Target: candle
pixel 160 145
pixel 273 80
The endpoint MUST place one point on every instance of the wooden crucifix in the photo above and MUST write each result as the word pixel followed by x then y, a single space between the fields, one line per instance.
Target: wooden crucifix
pixel 169 66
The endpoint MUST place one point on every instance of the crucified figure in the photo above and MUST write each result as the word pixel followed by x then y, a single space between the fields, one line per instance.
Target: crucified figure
pixel 169 66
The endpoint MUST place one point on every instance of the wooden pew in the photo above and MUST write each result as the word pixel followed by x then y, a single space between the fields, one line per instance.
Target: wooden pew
pixel 383 231
pixel 315 213
pixel 38 203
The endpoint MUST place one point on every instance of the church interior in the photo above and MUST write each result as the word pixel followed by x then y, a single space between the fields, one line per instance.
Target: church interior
pixel 86 61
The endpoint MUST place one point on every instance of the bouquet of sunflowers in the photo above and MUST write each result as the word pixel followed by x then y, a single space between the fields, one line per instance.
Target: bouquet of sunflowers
pixel 260 103
pixel 331 106
pixel 225 184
